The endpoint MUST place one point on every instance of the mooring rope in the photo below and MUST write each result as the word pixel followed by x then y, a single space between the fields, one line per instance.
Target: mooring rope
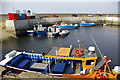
pixel 97 46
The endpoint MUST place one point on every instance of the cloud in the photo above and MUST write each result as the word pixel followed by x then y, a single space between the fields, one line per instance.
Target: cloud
pixel 62 7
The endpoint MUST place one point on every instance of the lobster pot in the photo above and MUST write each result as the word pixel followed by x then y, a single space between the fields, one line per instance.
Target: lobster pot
pixel 13 16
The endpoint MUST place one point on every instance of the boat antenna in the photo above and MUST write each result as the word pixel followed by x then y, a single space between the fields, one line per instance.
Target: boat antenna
pixel 79 43
pixel 97 46
pixel 77 38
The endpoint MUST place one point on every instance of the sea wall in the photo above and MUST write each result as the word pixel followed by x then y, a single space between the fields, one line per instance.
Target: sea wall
pixel 107 20
pixel 18 25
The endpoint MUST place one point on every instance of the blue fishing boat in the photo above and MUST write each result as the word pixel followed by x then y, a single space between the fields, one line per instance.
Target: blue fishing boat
pixel 84 24
pixel 60 61
pixel 23 61
pixel 41 31
pixel 68 26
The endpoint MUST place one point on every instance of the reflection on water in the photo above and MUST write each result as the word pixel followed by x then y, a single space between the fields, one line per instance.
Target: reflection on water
pixel 105 37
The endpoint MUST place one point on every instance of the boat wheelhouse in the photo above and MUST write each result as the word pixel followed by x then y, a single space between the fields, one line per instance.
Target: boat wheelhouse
pixel 77 63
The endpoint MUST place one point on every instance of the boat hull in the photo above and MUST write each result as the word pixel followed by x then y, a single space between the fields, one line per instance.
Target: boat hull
pixel 14 69
pixel 69 27
pixel 63 34
pixel 41 33
pixel 30 32
pixel 50 34
pixel 87 25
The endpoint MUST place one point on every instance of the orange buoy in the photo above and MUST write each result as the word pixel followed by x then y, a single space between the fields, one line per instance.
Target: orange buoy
pixel 78 52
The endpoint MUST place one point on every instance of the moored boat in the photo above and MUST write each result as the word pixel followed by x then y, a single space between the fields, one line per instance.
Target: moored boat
pixel 41 31
pixel 68 26
pixel 64 32
pixel 23 62
pixel 53 31
pixel 63 62
pixel 30 32
pixel 84 24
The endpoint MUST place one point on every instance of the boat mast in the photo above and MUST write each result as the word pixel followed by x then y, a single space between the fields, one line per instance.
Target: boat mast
pixel 97 47
pixel 79 43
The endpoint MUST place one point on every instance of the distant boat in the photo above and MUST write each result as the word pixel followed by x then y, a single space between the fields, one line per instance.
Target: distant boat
pixel 64 32
pixel 41 31
pixel 30 32
pixel 53 31
pixel 68 26
pixel 104 24
pixel 84 24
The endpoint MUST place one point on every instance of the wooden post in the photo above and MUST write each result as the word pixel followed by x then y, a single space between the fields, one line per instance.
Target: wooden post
pixel 97 18
pixel 82 18
pixel 112 21
pixel 105 19
pixel 61 18
pixel 28 22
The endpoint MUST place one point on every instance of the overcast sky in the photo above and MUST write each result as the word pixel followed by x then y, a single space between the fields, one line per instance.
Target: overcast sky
pixel 60 0
pixel 58 6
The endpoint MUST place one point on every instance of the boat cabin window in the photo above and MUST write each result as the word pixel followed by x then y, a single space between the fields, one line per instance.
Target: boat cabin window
pixel 90 62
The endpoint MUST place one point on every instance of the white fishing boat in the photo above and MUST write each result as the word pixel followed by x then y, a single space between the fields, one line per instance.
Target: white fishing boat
pixel 53 31
pixel 30 32
pixel 64 32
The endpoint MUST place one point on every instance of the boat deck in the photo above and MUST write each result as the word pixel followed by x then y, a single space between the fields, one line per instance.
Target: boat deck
pixel 69 54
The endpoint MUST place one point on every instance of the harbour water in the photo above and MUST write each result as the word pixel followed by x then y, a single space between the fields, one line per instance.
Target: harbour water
pixel 106 38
